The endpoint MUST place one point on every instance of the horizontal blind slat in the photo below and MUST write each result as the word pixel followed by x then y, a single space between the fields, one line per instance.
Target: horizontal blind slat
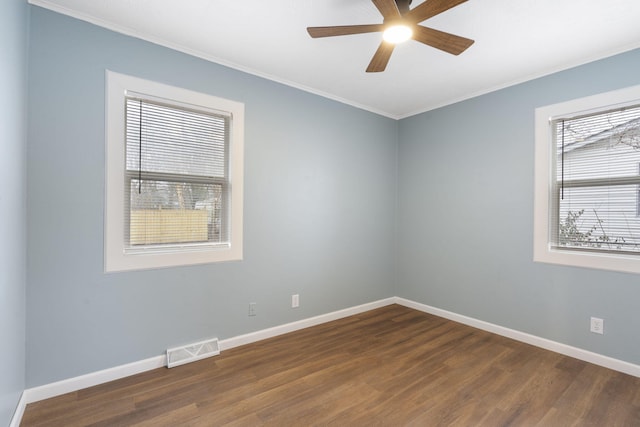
pixel 175 141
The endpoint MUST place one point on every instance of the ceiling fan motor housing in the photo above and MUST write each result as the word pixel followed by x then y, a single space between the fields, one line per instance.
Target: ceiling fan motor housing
pixel 403 6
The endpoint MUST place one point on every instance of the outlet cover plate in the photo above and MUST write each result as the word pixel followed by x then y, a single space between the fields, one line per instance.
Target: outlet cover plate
pixel 597 325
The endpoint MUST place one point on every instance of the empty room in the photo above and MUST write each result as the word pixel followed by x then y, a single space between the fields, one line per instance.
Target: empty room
pixel 281 213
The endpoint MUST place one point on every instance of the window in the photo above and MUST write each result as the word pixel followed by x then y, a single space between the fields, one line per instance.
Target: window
pixel 174 176
pixel 638 195
pixel 586 194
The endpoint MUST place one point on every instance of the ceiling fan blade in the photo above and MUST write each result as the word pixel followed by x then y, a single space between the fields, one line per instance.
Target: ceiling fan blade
pixel 344 30
pixel 430 8
pixel 450 43
pixel 388 8
pixel 381 58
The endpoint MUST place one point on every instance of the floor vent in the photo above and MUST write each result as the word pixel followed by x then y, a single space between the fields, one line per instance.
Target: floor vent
pixel 190 353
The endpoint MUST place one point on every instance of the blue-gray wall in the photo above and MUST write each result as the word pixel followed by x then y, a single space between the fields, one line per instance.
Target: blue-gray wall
pixel 465 218
pixel 319 206
pixel 13 211
pixel 326 188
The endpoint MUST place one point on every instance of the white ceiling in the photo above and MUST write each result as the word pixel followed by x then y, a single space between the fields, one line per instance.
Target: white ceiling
pixel 515 40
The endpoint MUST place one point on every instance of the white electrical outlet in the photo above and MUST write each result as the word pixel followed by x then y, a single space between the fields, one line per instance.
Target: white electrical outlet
pixel 295 301
pixel 252 309
pixel 597 325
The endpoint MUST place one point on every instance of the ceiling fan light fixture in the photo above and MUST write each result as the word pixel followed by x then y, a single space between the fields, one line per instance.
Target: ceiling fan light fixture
pixel 401 23
pixel 397 34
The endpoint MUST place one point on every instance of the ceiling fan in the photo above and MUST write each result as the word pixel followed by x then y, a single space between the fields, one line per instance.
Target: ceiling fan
pixel 399 24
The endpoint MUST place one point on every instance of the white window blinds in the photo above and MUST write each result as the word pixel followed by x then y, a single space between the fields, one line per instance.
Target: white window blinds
pixel 595 194
pixel 176 184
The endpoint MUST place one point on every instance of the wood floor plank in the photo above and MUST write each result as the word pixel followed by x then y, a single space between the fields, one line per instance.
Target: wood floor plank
pixel 170 418
pixel 392 366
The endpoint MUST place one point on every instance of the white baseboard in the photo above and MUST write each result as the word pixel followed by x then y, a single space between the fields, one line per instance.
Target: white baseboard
pixel 19 412
pixel 301 324
pixel 58 388
pixel 73 384
pixel 567 350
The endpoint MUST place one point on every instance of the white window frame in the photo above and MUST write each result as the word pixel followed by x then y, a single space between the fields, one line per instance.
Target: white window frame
pixel 116 258
pixel 545 174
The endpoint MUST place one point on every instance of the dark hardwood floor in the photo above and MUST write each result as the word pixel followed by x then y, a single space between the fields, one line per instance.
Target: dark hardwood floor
pixel 393 366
